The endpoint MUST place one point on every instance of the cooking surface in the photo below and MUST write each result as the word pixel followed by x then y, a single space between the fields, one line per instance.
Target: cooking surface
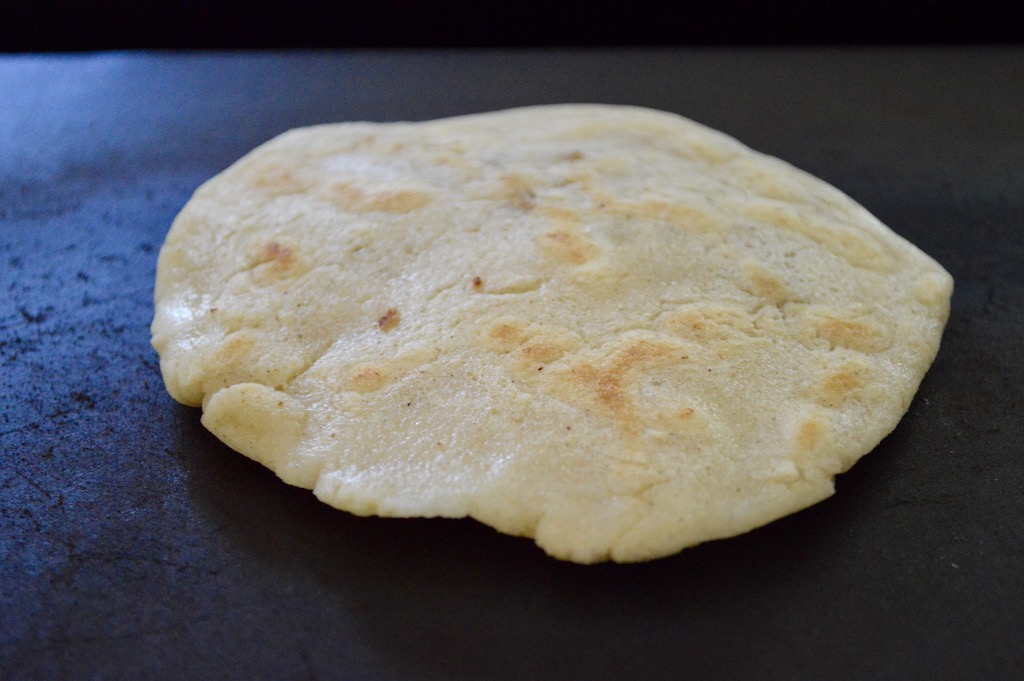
pixel 135 545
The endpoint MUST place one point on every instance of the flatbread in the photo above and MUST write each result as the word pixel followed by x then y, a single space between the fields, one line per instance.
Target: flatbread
pixel 608 328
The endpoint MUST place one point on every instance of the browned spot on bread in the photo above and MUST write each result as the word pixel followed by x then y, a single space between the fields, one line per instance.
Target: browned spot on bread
pixel 762 282
pixel 838 385
pixel 863 253
pixel 235 349
pixel 861 335
pixel 276 259
pixel 516 190
pixel 280 257
pixel 611 380
pixel 858 249
pixel 567 246
pixel 810 435
pixel 708 322
pixel 235 358
pixel 356 199
pixel 367 378
pixel 857 328
pixel 400 201
pixel 543 349
pixel 688 322
pixel 562 218
pixel 504 335
pixel 530 344
pixel 344 194
pixel 279 181
pixel 671 415
pixel 389 319
pixel 679 214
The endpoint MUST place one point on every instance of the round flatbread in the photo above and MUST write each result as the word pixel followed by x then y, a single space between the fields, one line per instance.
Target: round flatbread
pixel 608 328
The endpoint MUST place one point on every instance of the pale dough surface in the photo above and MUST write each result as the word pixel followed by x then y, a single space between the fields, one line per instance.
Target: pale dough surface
pixel 608 328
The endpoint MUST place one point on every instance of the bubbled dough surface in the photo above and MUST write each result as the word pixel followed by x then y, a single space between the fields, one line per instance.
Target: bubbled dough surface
pixel 608 328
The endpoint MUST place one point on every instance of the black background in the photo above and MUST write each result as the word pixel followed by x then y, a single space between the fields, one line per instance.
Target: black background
pixel 133 545
pixel 60 25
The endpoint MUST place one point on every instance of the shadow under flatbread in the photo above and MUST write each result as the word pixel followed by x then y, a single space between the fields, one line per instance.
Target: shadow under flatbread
pixel 459 600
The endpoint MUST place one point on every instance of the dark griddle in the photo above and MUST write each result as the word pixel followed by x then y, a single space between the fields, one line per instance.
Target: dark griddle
pixel 134 545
